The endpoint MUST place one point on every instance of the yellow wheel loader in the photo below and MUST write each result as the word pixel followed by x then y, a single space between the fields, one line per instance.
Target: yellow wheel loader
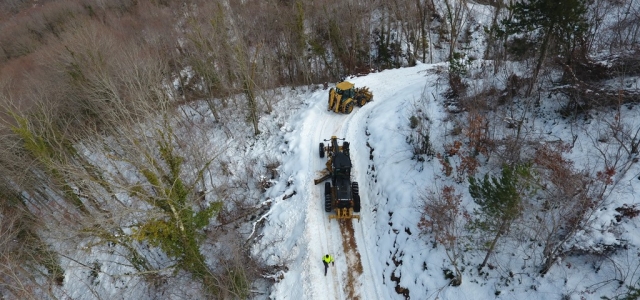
pixel 340 194
pixel 344 97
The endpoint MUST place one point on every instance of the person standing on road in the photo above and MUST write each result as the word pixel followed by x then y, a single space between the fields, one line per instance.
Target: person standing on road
pixel 327 259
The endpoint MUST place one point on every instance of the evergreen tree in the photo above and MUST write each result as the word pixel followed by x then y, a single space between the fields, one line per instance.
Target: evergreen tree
pixel 561 23
pixel 500 202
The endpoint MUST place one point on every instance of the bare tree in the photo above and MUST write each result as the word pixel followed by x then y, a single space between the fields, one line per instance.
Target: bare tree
pixel 444 218
pixel 100 152
pixel 22 253
pixel 456 14
pixel 616 140
pixel 568 199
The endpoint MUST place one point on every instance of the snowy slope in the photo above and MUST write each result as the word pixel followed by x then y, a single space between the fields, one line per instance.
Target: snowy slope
pixel 396 261
pixel 314 234
pixel 383 255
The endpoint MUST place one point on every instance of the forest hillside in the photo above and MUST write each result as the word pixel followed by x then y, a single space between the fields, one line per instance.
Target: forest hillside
pixel 160 149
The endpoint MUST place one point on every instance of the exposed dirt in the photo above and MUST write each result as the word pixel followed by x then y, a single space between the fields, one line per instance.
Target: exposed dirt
pixel 354 264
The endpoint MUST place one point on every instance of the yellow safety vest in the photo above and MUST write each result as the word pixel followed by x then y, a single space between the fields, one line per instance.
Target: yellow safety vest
pixel 328 259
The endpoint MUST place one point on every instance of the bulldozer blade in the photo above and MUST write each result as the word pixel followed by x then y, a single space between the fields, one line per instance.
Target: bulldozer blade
pixel 321 179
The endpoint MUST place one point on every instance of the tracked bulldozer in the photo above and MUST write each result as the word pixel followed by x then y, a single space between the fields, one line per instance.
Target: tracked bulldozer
pixel 344 97
pixel 340 194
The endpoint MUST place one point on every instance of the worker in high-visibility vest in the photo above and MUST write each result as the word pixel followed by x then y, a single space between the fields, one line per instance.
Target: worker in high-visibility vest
pixel 327 259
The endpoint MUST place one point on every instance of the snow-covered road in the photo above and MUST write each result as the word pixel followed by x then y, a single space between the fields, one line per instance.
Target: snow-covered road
pixel 358 271
pixel 383 256
pixel 325 235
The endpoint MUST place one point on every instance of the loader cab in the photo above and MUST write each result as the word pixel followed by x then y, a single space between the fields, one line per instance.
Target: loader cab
pixel 346 89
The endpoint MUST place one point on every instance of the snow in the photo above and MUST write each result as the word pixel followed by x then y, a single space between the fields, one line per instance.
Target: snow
pixel 299 232
pixel 390 251
pixel 389 255
pixel 306 226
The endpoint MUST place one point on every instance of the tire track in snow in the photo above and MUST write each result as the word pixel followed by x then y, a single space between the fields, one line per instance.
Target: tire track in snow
pixel 358 273
pixel 351 285
pixel 318 231
pixel 371 282
pixel 340 237
pixel 363 282
pixel 354 265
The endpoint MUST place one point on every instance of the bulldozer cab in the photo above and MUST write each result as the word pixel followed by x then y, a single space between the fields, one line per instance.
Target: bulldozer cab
pixel 345 89
pixel 341 164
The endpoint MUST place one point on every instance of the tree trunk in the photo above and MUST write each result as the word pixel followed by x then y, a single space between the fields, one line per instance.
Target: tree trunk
pixel 543 54
pixel 251 103
pixel 491 39
pixel 501 230
pixel 548 263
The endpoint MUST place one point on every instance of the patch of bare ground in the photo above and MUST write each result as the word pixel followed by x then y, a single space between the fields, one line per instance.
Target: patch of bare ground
pixel 354 264
pixel 399 289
